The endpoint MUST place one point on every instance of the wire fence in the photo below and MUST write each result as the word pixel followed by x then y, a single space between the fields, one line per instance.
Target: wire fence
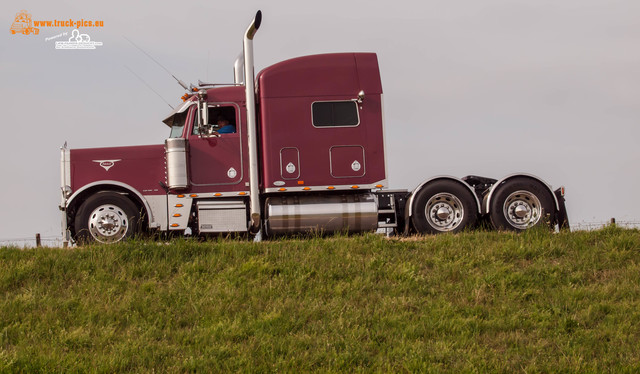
pixel 590 226
pixel 34 241
pixel 57 241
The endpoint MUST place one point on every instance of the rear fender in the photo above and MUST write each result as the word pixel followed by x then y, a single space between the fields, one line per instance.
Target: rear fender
pixel 487 201
pixel 458 180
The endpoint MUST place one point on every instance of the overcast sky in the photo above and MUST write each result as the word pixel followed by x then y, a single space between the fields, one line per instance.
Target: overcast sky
pixel 488 88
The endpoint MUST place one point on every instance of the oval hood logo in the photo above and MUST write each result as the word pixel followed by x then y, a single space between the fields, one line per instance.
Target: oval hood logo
pixel 106 164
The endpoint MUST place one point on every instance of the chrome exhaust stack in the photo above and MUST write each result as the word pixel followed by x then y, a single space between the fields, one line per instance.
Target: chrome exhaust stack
pixel 254 193
pixel 238 69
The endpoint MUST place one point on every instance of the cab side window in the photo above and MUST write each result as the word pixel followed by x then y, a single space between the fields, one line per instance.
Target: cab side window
pixel 222 119
pixel 335 114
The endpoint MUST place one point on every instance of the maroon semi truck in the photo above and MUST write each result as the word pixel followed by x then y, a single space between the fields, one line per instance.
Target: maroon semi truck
pixel 297 148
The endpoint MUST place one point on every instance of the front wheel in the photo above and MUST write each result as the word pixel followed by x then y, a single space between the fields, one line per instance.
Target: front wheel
pixel 106 217
pixel 521 203
pixel 444 206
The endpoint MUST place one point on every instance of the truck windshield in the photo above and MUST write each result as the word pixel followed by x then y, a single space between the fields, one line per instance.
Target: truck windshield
pixel 177 124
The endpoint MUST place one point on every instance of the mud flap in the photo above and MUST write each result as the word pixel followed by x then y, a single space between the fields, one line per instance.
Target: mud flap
pixel 562 219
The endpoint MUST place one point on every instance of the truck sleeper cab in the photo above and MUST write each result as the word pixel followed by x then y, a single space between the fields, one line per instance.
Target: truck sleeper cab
pixel 307 154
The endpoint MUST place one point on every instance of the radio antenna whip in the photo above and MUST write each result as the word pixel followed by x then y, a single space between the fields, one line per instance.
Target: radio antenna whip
pixel 149 87
pixel 184 85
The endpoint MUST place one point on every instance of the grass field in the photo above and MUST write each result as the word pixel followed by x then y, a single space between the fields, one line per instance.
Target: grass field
pixel 474 302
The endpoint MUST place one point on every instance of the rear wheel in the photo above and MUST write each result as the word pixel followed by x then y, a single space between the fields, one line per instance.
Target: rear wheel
pixel 106 217
pixel 444 206
pixel 521 203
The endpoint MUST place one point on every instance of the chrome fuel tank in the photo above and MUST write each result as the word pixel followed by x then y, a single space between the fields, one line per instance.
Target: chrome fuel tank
pixel 322 213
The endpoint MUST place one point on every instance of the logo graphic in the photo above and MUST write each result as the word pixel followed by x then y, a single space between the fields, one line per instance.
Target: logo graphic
pixel 291 168
pixel 355 166
pixel 22 24
pixel 106 164
pixel 78 41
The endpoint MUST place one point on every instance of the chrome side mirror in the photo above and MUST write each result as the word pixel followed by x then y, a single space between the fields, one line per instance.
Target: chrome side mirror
pixel 203 112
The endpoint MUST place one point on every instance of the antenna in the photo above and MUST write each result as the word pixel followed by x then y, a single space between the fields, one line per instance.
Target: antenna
pixel 203 84
pixel 184 85
pixel 149 87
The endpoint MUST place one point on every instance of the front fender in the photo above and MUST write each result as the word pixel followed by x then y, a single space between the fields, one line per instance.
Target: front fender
pixel 119 186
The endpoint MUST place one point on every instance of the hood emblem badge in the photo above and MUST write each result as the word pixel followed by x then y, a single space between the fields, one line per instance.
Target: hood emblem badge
pixel 106 164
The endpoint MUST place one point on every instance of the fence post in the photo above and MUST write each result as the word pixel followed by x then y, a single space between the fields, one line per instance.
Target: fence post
pixel 613 221
pixel 38 244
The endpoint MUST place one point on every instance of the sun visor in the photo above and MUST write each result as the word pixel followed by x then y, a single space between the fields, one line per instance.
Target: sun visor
pixel 179 109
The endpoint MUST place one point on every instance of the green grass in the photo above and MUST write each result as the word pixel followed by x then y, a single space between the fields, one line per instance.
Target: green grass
pixel 474 302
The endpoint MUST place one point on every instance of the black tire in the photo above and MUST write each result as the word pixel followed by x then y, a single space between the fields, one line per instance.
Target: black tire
pixel 444 206
pixel 106 217
pixel 521 203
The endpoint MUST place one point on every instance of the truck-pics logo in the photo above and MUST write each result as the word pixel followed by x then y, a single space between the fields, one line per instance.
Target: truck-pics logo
pixel 22 24
pixel 106 164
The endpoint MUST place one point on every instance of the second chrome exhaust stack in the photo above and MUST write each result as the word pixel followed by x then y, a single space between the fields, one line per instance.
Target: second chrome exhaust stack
pixel 249 86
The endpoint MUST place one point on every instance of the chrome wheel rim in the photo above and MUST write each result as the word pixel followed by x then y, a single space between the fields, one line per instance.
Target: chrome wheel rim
pixel 522 209
pixel 108 223
pixel 444 212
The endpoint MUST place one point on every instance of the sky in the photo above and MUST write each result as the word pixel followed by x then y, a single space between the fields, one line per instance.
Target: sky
pixel 485 88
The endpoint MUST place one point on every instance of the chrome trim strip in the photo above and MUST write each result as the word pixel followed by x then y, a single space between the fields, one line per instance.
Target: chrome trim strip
pixel 495 185
pixel 413 193
pixel 344 187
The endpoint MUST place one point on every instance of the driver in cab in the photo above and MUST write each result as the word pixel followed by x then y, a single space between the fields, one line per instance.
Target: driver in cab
pixel 224 127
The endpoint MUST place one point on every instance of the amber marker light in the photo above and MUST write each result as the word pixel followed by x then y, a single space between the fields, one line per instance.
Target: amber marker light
pixel 242 193
pixel 354 187
pixel 177 215
pixel 193 195
pixel 179 205
pixel 282 189
pixel 331 188
pixel 217 194
pixel 306 188
pixel 378 185
pixel 180 196
pixel 174 225
pixel 300 182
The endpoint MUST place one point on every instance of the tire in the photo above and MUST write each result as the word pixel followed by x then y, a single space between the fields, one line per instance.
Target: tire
pixel 521 203
pixel 444 206
pixel 106 217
